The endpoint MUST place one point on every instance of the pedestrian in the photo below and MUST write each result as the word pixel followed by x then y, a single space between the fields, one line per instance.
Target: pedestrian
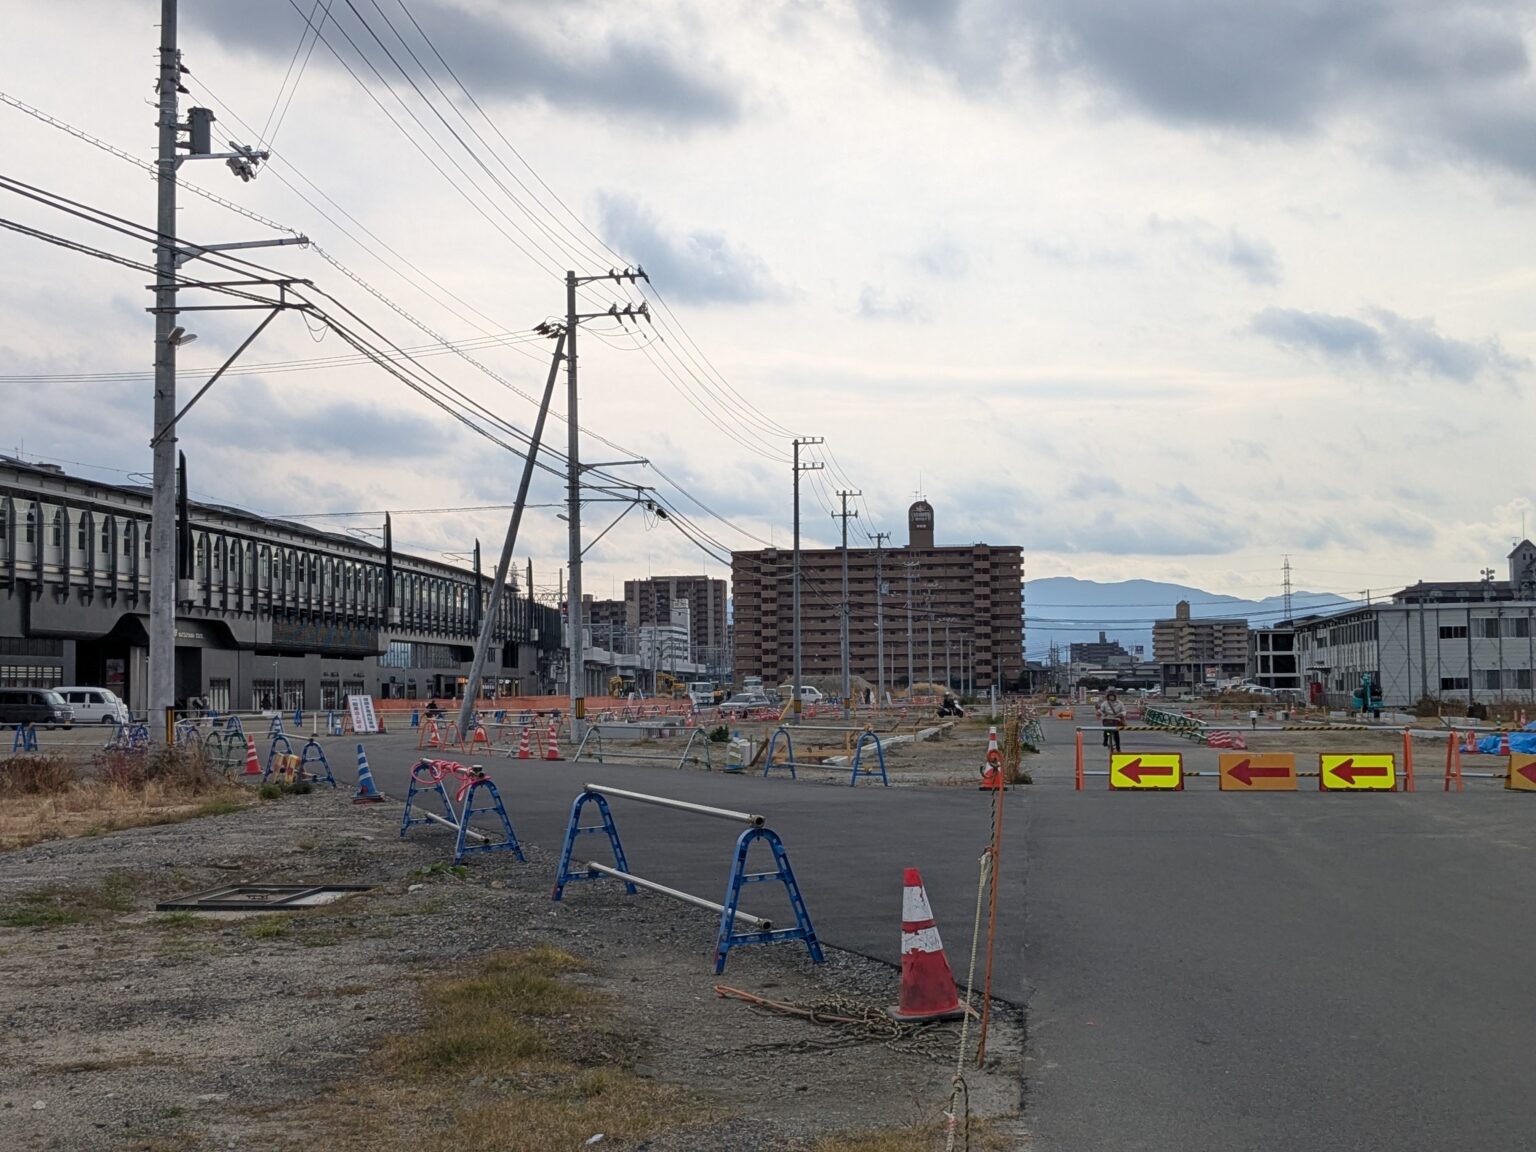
pixel 432 708
pixel 1112 719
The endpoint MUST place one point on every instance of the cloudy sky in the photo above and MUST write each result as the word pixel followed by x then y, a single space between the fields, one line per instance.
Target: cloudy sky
pixel 1167 289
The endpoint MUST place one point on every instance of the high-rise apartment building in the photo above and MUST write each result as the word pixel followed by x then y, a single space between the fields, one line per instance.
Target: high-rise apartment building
pixel 949 614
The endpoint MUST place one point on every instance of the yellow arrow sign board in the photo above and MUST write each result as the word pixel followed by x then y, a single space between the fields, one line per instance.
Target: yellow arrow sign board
pixel 1522 774
pixel 1258 771
pixel 1147 771
pixel 1358 772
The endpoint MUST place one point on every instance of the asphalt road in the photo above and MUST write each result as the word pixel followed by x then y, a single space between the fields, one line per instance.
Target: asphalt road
pixel 1281 970
pixel 1203 971
pixel 847 846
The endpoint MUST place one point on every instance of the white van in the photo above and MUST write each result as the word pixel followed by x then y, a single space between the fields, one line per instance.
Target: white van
pixel 95 705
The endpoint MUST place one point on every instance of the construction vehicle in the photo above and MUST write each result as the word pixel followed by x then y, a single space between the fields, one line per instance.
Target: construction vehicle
pixel 703 693
pixel 620 686
pixel 669 685
pixel 1367 698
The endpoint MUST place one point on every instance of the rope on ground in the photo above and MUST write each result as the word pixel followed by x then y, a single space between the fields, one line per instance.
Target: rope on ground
pixel 960 1091
pixel 850 1024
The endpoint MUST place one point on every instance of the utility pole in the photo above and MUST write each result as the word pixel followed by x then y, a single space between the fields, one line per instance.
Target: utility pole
pixel 164 572
pixel 799 468
pixel 573 321
pixel 162 530
pixel 843 516
pixel 880 538
pixel 911 567
pixel 503 566
pixel 928 611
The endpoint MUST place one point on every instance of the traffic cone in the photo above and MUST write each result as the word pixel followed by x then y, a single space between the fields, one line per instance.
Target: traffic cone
pixel 1470 745
pixel 524 752
pixel 992 770
pixel 927 985
pixel 1504 744
pixel 252 765
pixel 480 736
pixel 367 791
pixel 553 751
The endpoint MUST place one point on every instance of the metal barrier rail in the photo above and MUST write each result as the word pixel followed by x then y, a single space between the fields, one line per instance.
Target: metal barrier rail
pixel 730 914
pixel 695 735
pixel 866 734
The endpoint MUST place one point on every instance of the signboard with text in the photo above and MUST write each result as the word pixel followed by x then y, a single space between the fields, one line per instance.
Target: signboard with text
pixel 363 718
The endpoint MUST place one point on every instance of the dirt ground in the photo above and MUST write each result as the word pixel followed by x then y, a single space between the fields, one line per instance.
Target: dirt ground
pixel 125 1028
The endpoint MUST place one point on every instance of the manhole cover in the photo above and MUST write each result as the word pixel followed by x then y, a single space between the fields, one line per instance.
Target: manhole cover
pixel 259 897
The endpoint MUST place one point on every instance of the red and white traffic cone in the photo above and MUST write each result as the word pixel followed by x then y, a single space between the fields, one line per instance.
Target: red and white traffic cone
pixel 252 765
pixel 552 752
pixel 927 986
pixel 992 770
pixel 1504 744
pixel 524 752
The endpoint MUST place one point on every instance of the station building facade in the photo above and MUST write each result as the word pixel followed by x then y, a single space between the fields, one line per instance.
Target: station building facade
pixel 271 613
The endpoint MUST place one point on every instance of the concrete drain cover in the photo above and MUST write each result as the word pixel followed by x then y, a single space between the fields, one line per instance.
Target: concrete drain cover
pixel 259 897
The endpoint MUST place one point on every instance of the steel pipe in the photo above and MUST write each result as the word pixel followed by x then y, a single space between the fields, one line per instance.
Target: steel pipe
pixel 682 805
pixel 686 897
pixel 451 824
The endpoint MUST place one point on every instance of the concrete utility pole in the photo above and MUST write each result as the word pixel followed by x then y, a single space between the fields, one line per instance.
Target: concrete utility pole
pixel 880 538
pixel 573 320
pixel 843 516
pixel 799 468
pixel 162 531
pixel 911 567
pixel 928 611
pixel 504 565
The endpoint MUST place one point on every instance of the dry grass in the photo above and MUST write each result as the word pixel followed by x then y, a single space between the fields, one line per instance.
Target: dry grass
pixel 510 1058
pixel 914 1138
pixel 58 905
pixel 44 799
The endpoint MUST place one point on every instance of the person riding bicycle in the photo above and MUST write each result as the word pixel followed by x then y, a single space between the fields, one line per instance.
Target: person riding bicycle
pixel 1112 718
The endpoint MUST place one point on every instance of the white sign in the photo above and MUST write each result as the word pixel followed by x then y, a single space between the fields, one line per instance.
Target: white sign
pixel 363 719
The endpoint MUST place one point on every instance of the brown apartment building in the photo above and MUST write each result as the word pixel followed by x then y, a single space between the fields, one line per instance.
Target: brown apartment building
pixel 961 605
pixel 652 600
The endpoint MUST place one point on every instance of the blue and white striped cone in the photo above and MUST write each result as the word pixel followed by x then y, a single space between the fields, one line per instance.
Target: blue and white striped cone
pixel 367 791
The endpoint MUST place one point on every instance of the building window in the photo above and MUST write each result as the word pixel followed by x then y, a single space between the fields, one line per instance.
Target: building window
pixel 1453 683
pixel 1489 679
pixel 1519 626
pixel 1453 632
pixel 82 534
pixel 1522 678
pixel 106 538
pixel 1486 628
pixel 58 528
pixel 31 533
pixel 218 695
pixel 128 530
pixel 30 675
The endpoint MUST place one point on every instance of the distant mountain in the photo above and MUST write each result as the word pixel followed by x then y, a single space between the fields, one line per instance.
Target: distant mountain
pixel 1066 610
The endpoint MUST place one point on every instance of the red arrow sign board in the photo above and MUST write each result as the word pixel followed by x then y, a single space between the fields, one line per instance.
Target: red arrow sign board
pixel 1360 772
pixel 1522 774
pixel 1258 772
pixel 1160 771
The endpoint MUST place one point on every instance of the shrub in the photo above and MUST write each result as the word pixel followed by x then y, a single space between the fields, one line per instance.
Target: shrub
pixel 34 775
pixel 720 735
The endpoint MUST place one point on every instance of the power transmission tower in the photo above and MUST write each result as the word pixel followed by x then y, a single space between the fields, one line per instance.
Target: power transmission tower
pixel 573 321
pixel 799 468
pixel 165 571
pixel 843 516
pixel 1287 571
pixel 880 538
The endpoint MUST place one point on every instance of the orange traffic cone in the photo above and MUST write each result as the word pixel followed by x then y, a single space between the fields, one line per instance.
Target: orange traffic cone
pixel 992 770
pixel 252 765
pixel 480 736
pixel 927 985
pixel 552 752
pixel 523 751
pixel 1504 744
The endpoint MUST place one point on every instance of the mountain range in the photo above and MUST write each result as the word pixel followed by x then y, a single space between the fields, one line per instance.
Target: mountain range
pixel 1065 610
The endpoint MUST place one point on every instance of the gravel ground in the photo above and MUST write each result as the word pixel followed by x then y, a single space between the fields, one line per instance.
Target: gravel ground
pixel 150 1031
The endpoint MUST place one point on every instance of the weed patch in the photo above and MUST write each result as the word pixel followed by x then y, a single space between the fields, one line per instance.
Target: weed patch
pixel 58 905
pixel 36 776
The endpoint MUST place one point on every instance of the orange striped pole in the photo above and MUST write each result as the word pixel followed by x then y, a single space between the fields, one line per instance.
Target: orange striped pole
pixel 1450 752
pixel 1408 760
pixel 1079 759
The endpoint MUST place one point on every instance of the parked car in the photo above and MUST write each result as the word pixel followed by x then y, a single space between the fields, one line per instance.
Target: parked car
pixel 808 694
pixel 94 705
pixel 43 706
pixel 744 702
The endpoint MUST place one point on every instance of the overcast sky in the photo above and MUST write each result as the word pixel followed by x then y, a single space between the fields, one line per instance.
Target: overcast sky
pixel 1166 289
